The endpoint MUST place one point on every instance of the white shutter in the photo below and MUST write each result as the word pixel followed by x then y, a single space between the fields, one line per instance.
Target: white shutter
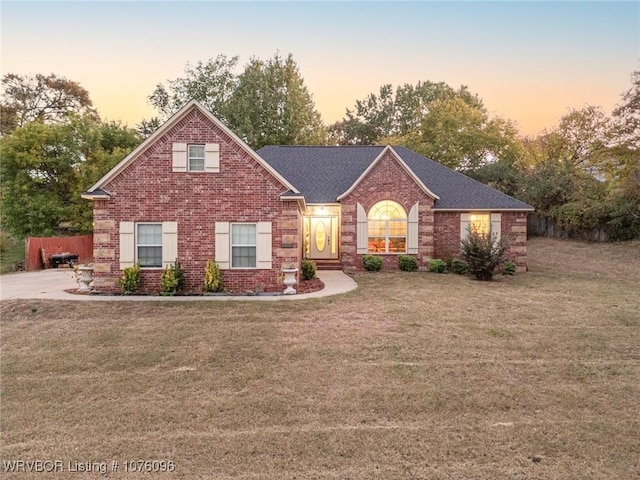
pixel 223 245
pixel 263 253
pixel 412 230
pixel 127 245
pixel 465 223
pixel 179 157
pixel 212 157
pixel 169 243
pixel 362 233
pixel 496 226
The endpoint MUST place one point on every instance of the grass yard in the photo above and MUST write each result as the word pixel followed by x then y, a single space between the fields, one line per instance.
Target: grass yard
pixel 12 251
pixel 412 376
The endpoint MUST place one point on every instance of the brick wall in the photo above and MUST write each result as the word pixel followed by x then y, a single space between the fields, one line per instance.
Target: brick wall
pixel 388 180
pixel 513 228
pixel 148 191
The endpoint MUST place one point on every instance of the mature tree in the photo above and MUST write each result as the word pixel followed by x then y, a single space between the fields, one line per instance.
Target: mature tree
pixel 390 114
pixel 461 136
pixel 268 103
pixel 45 168
pixel 48 99
pixel 211 83
pixel 272 106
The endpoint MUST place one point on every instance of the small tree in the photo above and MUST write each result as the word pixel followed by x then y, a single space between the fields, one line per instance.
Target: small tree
pixel 130 280
pixel 212 277
pixel 172 279
pixel 483 252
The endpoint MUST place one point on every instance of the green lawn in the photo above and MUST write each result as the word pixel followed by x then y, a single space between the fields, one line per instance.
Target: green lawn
pixel 412 376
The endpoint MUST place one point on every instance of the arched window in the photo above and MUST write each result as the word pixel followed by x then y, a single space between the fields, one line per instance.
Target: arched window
pixel 387 228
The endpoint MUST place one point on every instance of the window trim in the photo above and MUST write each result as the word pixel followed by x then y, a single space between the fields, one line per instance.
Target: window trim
pixel 387 229
pixel 231 245
pixel 137 246
pixel 190 157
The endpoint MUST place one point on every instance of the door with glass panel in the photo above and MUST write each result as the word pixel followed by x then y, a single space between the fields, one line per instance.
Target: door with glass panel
pixel 323 237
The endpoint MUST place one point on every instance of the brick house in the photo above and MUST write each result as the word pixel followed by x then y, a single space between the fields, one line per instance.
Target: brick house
pixel 194 191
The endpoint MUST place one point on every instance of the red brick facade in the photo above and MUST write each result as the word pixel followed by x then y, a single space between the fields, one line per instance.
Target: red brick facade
pixel 243 191
pixel 513 229
pixel 387 180
pixel 438 232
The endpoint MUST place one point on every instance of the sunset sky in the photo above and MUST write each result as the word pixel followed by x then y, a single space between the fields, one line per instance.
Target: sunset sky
pixel 528 61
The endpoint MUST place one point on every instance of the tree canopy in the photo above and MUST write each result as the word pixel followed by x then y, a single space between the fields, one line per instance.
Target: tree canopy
pixel 47 99
pixel 268 103
pixel 45 168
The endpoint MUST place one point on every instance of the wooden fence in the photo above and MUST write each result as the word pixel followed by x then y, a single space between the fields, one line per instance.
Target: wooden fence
pixel 80 245
pixel 542 226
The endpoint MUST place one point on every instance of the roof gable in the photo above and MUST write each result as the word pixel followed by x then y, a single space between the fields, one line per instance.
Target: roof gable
pixel 388 149
pixel 97 190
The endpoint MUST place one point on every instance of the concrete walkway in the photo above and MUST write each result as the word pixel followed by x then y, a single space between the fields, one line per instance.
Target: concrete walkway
pixel 51 284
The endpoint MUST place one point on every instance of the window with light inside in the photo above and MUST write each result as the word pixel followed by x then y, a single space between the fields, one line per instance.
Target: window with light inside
pixel 480 223
pixel 387 228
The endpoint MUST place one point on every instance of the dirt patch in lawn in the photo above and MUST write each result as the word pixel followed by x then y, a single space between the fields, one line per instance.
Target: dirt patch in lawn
pixel 413 375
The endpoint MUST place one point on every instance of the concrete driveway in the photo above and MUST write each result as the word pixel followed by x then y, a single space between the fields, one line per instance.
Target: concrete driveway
pixel 42 284
pixel 52 284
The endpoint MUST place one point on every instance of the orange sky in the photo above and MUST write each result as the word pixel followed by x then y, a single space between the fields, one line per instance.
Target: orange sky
pixel 528 61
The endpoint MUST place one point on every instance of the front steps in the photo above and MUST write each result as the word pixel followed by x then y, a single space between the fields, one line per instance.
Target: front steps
pixel 333 264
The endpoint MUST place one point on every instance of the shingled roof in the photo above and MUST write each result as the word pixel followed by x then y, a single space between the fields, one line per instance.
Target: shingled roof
pixel 323 173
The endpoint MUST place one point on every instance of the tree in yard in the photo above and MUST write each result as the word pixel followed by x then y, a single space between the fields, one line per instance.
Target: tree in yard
pixel 460 136
pixel 389 113
pixel 268 103
pixel 211 83
pixel 48 99
pixel 272 106
pixel 45 168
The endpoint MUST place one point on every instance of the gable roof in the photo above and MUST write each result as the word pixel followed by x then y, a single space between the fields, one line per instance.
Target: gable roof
pixel 325 173
pixel 97 190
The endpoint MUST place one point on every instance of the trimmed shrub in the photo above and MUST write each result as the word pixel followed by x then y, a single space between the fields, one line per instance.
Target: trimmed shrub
pixel 372 263
pixel 130 280
pixel 483 253
pixel 212 277
pixel 172 279
pixel 459 267
pixel 437 265
pixel 509 268
pixel 407 263
pixel 308 269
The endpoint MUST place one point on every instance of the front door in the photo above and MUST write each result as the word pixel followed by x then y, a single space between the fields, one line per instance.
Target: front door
pixel 322 238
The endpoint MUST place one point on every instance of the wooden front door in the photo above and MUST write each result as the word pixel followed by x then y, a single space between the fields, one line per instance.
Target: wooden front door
pixel 323 237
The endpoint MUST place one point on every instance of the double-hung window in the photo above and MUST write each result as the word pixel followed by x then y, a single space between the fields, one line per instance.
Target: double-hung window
pixel 243 245
pixel 195 158
pixel 149 244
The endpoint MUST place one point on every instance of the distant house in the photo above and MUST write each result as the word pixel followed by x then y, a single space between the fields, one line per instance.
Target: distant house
pixel 194 191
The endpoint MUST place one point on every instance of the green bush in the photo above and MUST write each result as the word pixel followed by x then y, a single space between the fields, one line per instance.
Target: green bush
pixel 483 253
pixel 407 263
pixel 172 279
pixel 5 241
pixel 372 263
pixel 437 265
pixel 308 269
pixel 509 268
pixel 130 280
pixel 459 267
pixel 212 277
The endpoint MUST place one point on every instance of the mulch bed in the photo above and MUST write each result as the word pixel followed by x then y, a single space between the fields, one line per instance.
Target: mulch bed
pixel 305 286
pixel 309 286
